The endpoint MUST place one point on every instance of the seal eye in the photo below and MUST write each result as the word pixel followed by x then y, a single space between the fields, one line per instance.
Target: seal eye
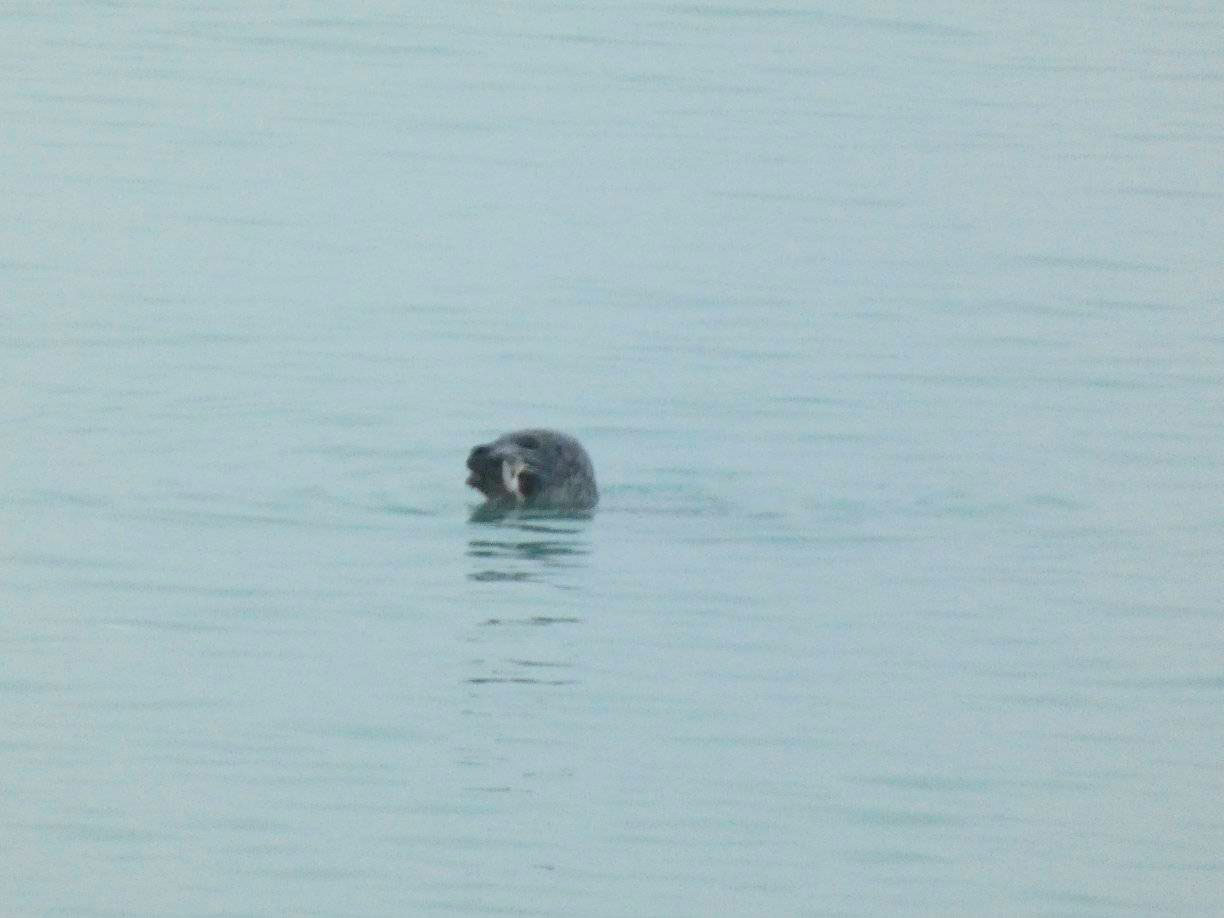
pixel 527 442
pixel 528 484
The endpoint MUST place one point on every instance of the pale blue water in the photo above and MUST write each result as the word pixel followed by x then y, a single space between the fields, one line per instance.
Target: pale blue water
pixel 895 335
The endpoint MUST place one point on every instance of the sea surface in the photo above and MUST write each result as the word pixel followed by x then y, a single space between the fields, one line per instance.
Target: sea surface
pixel 895 332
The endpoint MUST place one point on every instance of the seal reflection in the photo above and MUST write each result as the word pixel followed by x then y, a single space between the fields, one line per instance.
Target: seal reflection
pixel 515 647
pixel 530 551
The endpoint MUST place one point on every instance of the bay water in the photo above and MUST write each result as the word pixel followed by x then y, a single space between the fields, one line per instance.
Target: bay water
pixel 894 332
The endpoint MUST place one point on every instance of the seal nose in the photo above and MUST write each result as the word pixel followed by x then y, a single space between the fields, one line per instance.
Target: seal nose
pixel 478 458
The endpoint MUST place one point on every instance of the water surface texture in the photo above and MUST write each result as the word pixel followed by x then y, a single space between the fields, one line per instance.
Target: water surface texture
pixel 895 333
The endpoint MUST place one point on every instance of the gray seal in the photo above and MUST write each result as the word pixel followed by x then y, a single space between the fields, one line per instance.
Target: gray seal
pixel 534 469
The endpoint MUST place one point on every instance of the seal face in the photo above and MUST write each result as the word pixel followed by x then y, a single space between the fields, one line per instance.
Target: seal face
pixel 536 468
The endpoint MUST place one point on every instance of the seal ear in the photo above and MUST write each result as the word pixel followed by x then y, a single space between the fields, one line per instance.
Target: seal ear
pixel 529 483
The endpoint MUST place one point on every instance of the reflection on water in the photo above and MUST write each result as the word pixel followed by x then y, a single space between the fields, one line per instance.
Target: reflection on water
pixel 531 551
pixel 524 680
pixel 534 620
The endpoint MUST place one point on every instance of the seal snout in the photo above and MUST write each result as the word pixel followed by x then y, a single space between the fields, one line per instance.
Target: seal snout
pixel 482 465
pixel 478 458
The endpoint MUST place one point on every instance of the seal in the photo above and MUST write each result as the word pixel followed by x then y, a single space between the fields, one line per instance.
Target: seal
pixel 535 469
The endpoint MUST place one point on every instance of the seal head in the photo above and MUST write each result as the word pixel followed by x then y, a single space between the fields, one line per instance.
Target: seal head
pixel 535 468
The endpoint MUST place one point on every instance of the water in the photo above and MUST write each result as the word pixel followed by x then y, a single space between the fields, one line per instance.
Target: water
pixel 894 335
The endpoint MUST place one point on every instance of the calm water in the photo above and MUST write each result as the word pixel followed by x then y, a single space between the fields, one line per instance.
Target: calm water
pixel 895 335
